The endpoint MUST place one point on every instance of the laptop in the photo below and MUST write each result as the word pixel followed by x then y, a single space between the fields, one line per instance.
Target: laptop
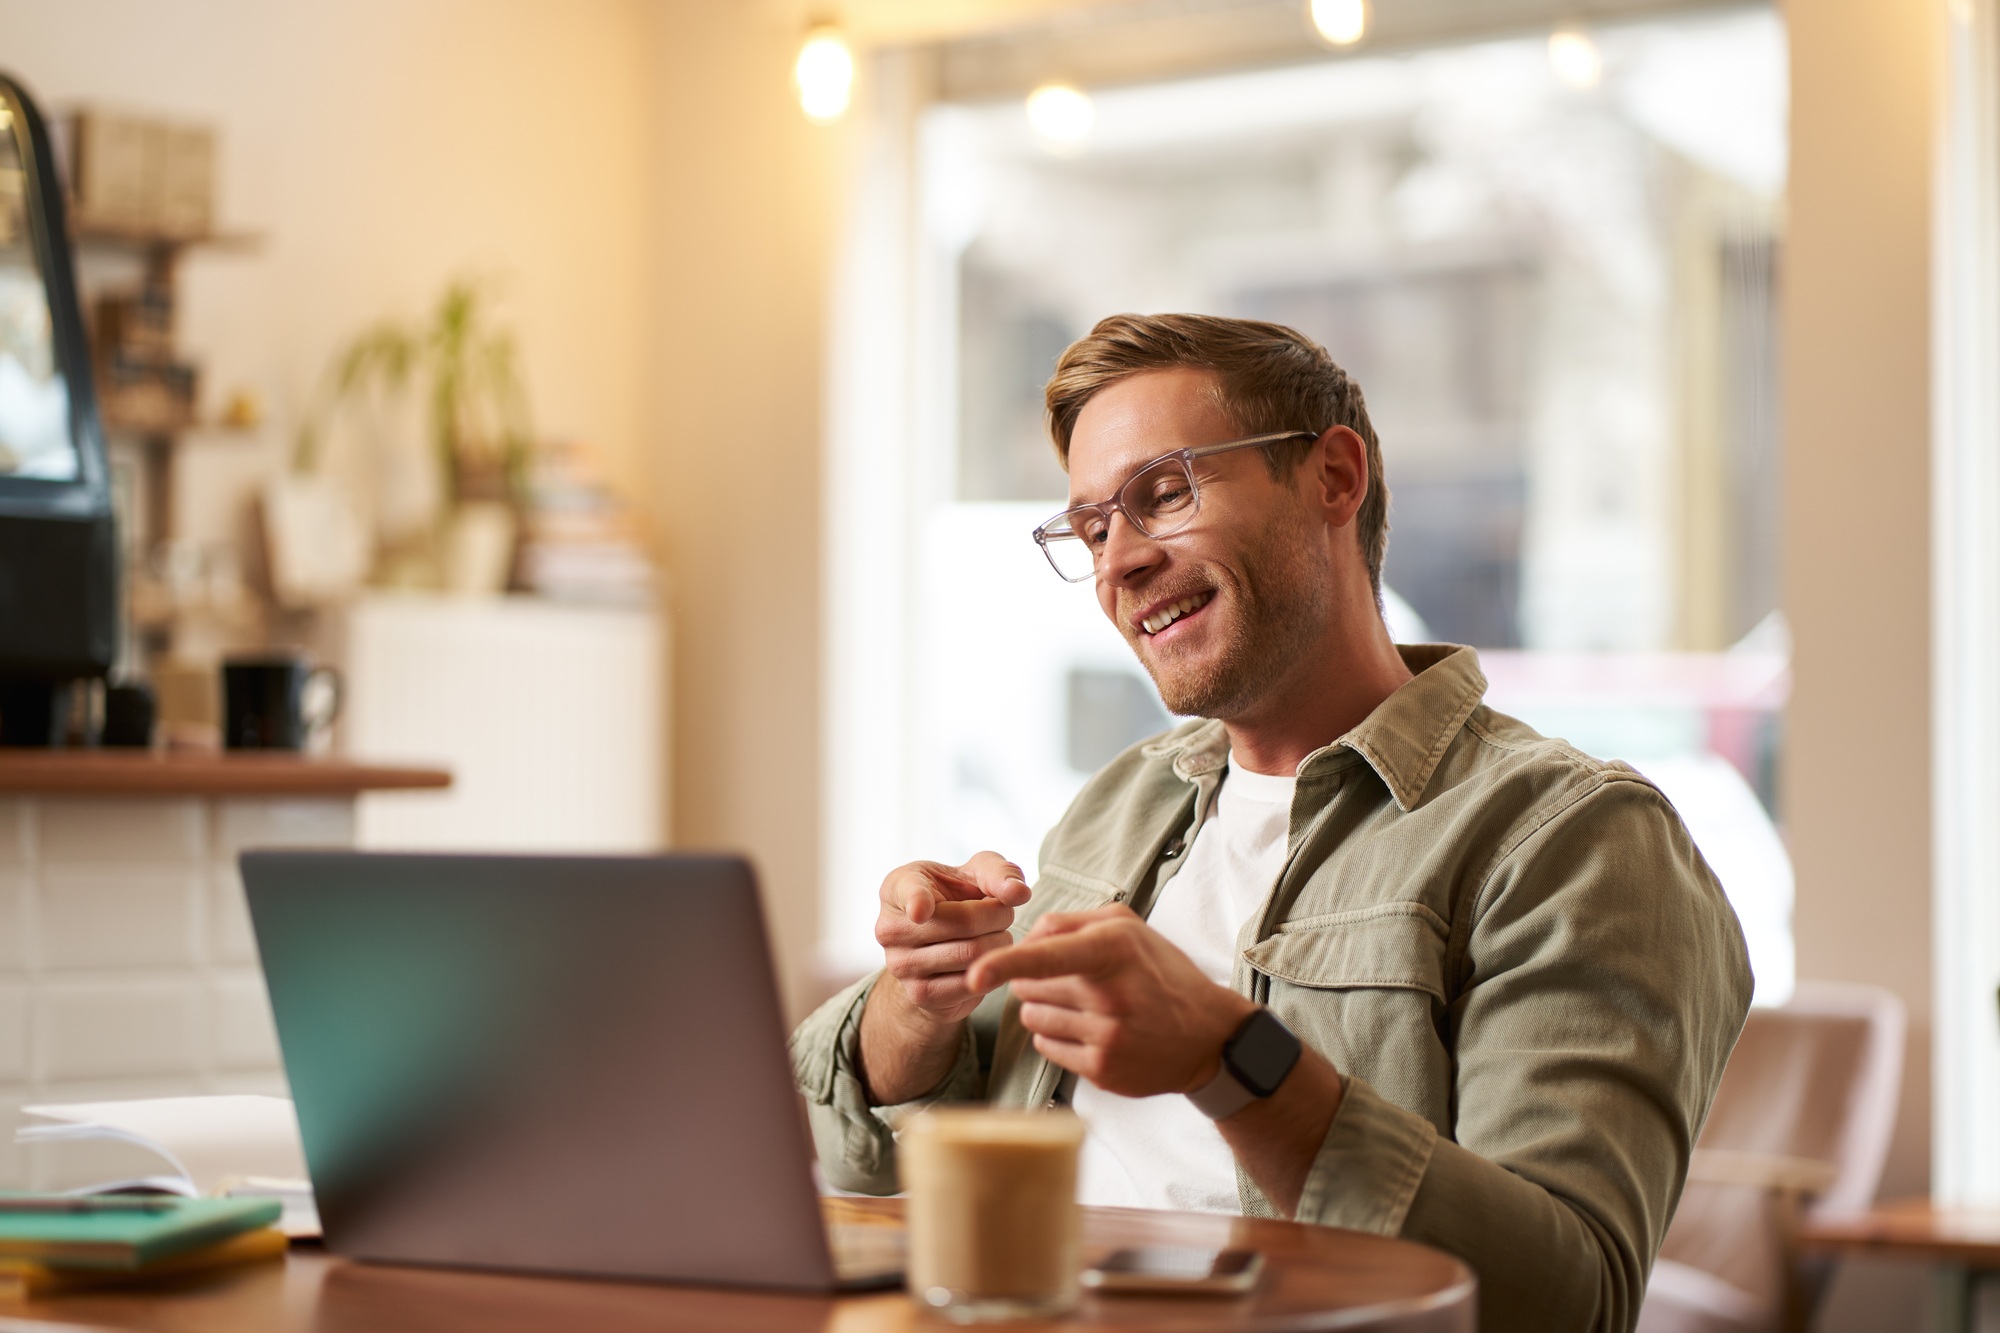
pixel 568 1065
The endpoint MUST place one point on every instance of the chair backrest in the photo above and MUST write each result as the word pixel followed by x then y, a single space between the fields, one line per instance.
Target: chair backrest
pixel 1815 1078
pixel 1818 1078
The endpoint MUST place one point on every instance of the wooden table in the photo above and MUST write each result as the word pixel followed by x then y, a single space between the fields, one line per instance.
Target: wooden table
pixel 1315 1278
pixel 1961 1244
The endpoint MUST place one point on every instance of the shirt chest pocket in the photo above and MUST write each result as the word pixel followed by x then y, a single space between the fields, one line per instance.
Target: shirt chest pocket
pixel 1367 990
pixel 1391 946
pixel 1060 889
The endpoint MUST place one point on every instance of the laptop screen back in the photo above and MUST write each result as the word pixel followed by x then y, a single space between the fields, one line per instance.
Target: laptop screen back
pixel 566 1064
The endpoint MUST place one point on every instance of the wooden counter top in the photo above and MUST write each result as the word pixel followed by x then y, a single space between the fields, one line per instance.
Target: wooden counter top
pixel 237 773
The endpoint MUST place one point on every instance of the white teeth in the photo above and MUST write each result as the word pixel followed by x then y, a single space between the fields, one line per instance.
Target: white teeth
pixel 1166 616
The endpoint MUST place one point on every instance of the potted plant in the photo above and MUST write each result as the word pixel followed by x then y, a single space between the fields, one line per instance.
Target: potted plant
pixel 475 413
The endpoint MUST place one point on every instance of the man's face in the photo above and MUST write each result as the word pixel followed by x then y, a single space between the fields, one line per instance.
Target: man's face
pixel 1222 609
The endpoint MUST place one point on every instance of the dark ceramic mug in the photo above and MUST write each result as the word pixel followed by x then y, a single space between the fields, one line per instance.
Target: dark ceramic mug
pixel 264 701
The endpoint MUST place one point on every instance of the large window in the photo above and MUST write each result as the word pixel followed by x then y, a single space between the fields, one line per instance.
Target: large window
pixel 1550 264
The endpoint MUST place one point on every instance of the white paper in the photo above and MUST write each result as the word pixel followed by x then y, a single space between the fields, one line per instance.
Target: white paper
pixel 211 1141
pixel 300 1220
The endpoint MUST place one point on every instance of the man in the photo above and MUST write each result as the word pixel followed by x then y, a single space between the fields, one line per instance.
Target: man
pixel 1352 948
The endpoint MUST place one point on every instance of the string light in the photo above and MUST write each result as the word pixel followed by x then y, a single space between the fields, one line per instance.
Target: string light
pixel 825 73
pixel 1575 59
pixel 1341 22
pixel 1061 114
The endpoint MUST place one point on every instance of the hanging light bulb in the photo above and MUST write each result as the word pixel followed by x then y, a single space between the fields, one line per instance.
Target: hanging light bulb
pixel 1340 21
pixel 1060 114
pixel 825 73
pixel 1574 58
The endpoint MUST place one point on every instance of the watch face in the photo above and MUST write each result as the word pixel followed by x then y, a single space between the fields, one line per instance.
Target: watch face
pixel 1262 1052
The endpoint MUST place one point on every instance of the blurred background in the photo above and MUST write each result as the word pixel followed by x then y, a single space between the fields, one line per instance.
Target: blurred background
pixel 1668 315
pixel 1548 259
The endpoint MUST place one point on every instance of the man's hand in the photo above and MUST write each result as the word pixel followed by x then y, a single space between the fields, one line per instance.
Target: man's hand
pixel 935 922
pixel 1109 998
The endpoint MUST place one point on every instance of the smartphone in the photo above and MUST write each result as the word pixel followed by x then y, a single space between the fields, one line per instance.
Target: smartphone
pixel 1170 1269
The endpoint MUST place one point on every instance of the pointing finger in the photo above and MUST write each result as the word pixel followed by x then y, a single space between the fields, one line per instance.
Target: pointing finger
pixel 1064 923
pixel 1059 956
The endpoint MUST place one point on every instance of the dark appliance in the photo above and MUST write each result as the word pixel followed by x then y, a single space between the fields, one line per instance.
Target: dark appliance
pixel 59 609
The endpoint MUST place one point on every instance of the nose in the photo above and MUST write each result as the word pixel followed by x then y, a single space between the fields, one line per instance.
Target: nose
pixel 1128 554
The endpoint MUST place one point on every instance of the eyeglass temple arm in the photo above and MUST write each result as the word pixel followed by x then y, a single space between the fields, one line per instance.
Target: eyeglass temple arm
pixel 1254 442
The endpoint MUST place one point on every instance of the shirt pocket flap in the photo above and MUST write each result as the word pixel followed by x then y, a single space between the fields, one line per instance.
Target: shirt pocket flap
pixel 1394 945
pixel 1060 889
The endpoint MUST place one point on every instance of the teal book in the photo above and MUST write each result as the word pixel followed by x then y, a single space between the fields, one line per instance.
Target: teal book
pixel 127 1239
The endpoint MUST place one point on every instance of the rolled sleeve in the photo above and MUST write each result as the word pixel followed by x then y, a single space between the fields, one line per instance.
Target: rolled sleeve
pixel 855 1141
pixel 1368 1169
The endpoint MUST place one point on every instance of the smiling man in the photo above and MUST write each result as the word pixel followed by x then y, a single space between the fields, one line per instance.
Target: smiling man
pixel 1351 947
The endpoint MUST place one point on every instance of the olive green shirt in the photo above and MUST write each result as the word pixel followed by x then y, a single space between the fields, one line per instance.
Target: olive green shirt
pixel 1512 952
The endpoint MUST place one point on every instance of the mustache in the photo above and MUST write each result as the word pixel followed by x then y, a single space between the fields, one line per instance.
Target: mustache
pixel 1135 599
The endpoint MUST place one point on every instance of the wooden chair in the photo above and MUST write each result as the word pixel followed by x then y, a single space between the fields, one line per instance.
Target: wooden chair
pixel 1800 1125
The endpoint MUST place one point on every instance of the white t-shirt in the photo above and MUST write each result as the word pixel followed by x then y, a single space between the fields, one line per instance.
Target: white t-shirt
pixel 1159 1152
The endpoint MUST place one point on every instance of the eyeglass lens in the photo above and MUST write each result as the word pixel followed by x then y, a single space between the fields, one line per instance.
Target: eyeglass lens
pixel 1159 500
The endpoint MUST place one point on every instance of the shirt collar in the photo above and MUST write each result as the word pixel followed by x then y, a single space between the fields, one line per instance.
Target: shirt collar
pixel 1406 736
pixel 1403 740
pixel 1197 748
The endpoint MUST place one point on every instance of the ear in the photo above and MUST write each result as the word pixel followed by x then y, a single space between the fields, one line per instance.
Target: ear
pixel 1337 475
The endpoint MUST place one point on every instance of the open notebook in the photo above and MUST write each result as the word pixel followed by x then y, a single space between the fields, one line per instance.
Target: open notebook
pixel 238 1146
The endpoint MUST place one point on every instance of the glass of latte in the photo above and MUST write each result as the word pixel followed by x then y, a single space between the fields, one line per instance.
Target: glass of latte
pixel 994 1231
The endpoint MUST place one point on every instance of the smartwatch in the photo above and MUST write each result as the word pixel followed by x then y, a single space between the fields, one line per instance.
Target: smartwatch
pixel 1255 1062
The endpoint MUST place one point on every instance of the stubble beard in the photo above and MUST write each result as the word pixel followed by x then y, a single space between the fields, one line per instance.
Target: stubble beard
pixel 1278 604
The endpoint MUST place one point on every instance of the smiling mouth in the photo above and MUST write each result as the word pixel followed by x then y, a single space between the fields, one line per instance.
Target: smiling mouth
pixel 1168 614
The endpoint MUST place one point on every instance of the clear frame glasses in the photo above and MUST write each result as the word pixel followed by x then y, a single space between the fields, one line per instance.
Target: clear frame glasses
pixel 1160 499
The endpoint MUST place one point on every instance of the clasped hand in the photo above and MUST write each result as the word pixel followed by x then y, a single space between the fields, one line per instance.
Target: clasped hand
pixel 1104 994
pixel 1111 999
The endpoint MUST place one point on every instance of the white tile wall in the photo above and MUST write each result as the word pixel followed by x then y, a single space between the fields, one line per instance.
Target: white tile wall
pixel 13 1159
pixel 243 824
pixel 268 1082
pixel 15 922
pixel 114 1029
pixel 97 830
pixel 240 1024
pixel 118 1089
pixel 127 967
pixel 133 916
pixel 230 939
pixel 13 1034
pixel 13 832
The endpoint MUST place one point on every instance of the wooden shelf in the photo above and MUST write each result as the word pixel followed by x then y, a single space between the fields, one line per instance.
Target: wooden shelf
pixel 148 425
pixel 154 432
pixel 135 238
pixel 152 773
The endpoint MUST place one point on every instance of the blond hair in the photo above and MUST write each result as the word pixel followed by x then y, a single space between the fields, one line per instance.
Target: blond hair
pixel 1271 378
